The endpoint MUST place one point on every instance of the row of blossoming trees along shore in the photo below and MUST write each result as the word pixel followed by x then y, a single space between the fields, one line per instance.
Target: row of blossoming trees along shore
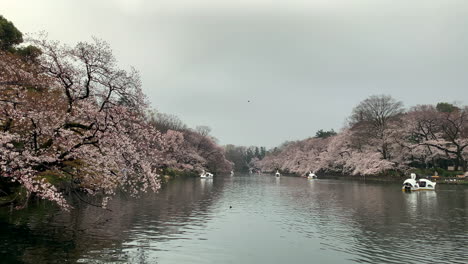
pixel 381 137
pixel 72 123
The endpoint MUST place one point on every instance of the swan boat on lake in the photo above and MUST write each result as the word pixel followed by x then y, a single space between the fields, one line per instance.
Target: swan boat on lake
pixel 412 184
pixel 205 174
pixel 311 176
pixel 277 174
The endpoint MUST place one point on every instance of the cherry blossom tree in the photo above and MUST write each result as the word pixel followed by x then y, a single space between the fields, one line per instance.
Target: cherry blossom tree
pixel 72 122
pixel 205 146
pixel 381 138
pixel 436 134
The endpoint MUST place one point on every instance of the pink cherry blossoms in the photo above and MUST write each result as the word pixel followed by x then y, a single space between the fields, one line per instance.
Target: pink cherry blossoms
pixel 381 137
pixel 72 121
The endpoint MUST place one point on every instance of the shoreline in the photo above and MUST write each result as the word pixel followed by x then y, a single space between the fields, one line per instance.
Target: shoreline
pixel 389 178
pixel 383 178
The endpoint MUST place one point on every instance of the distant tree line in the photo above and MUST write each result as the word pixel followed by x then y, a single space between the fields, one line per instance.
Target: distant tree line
pixel 244 158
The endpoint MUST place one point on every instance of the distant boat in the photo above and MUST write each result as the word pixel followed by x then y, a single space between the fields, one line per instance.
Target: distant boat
pixel 412 184
pixel 232 173
pixel 205 174
pixel 277 174
pixel 311 175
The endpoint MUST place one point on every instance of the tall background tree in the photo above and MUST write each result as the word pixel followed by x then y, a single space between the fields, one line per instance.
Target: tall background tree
pixel 373 121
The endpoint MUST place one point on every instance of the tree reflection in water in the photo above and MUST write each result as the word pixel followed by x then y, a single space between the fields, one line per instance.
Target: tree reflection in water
pixel 249 219
pixel 43 234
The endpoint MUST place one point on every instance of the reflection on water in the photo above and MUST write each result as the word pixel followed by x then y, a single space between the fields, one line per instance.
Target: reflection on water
pixel 249 219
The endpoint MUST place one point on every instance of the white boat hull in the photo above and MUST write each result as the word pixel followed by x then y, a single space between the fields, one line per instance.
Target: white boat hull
pixel 406 188
pixel 205 174
pixel 420 185
pixel 417 189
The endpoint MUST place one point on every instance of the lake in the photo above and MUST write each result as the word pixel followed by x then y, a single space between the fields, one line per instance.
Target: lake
pixel 248 219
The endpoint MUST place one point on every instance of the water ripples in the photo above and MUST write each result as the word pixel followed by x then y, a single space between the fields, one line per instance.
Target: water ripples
pixel 259 219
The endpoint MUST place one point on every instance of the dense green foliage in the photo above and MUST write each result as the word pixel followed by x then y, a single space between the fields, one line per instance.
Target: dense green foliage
pixel 324 134
pixel 9 35
pixel 244 157
pixel 446 107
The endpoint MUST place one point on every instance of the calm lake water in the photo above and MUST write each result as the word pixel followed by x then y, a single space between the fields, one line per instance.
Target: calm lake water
pixel 272 220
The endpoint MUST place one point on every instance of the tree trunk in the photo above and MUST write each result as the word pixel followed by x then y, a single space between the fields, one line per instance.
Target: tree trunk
pixel 457 163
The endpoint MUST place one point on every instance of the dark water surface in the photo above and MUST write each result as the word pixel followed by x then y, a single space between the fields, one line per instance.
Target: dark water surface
pixel 272 220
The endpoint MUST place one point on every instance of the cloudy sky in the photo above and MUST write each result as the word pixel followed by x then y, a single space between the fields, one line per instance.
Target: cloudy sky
pixel 303 65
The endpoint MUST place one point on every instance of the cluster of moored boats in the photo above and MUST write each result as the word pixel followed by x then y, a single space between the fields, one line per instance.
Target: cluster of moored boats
pixel 206 174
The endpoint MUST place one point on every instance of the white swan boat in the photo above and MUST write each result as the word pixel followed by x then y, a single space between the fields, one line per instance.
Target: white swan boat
pixel 205 174
pixel 425 184
pixel 412 184
pixel 311 175
pixel 277 174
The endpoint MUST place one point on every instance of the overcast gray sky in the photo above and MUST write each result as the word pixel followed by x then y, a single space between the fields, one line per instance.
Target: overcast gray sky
pixel 303 65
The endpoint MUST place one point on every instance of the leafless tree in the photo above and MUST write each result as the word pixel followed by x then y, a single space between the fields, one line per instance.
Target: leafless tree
pixel 371 120
pixel 203 130
pixel 164 122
